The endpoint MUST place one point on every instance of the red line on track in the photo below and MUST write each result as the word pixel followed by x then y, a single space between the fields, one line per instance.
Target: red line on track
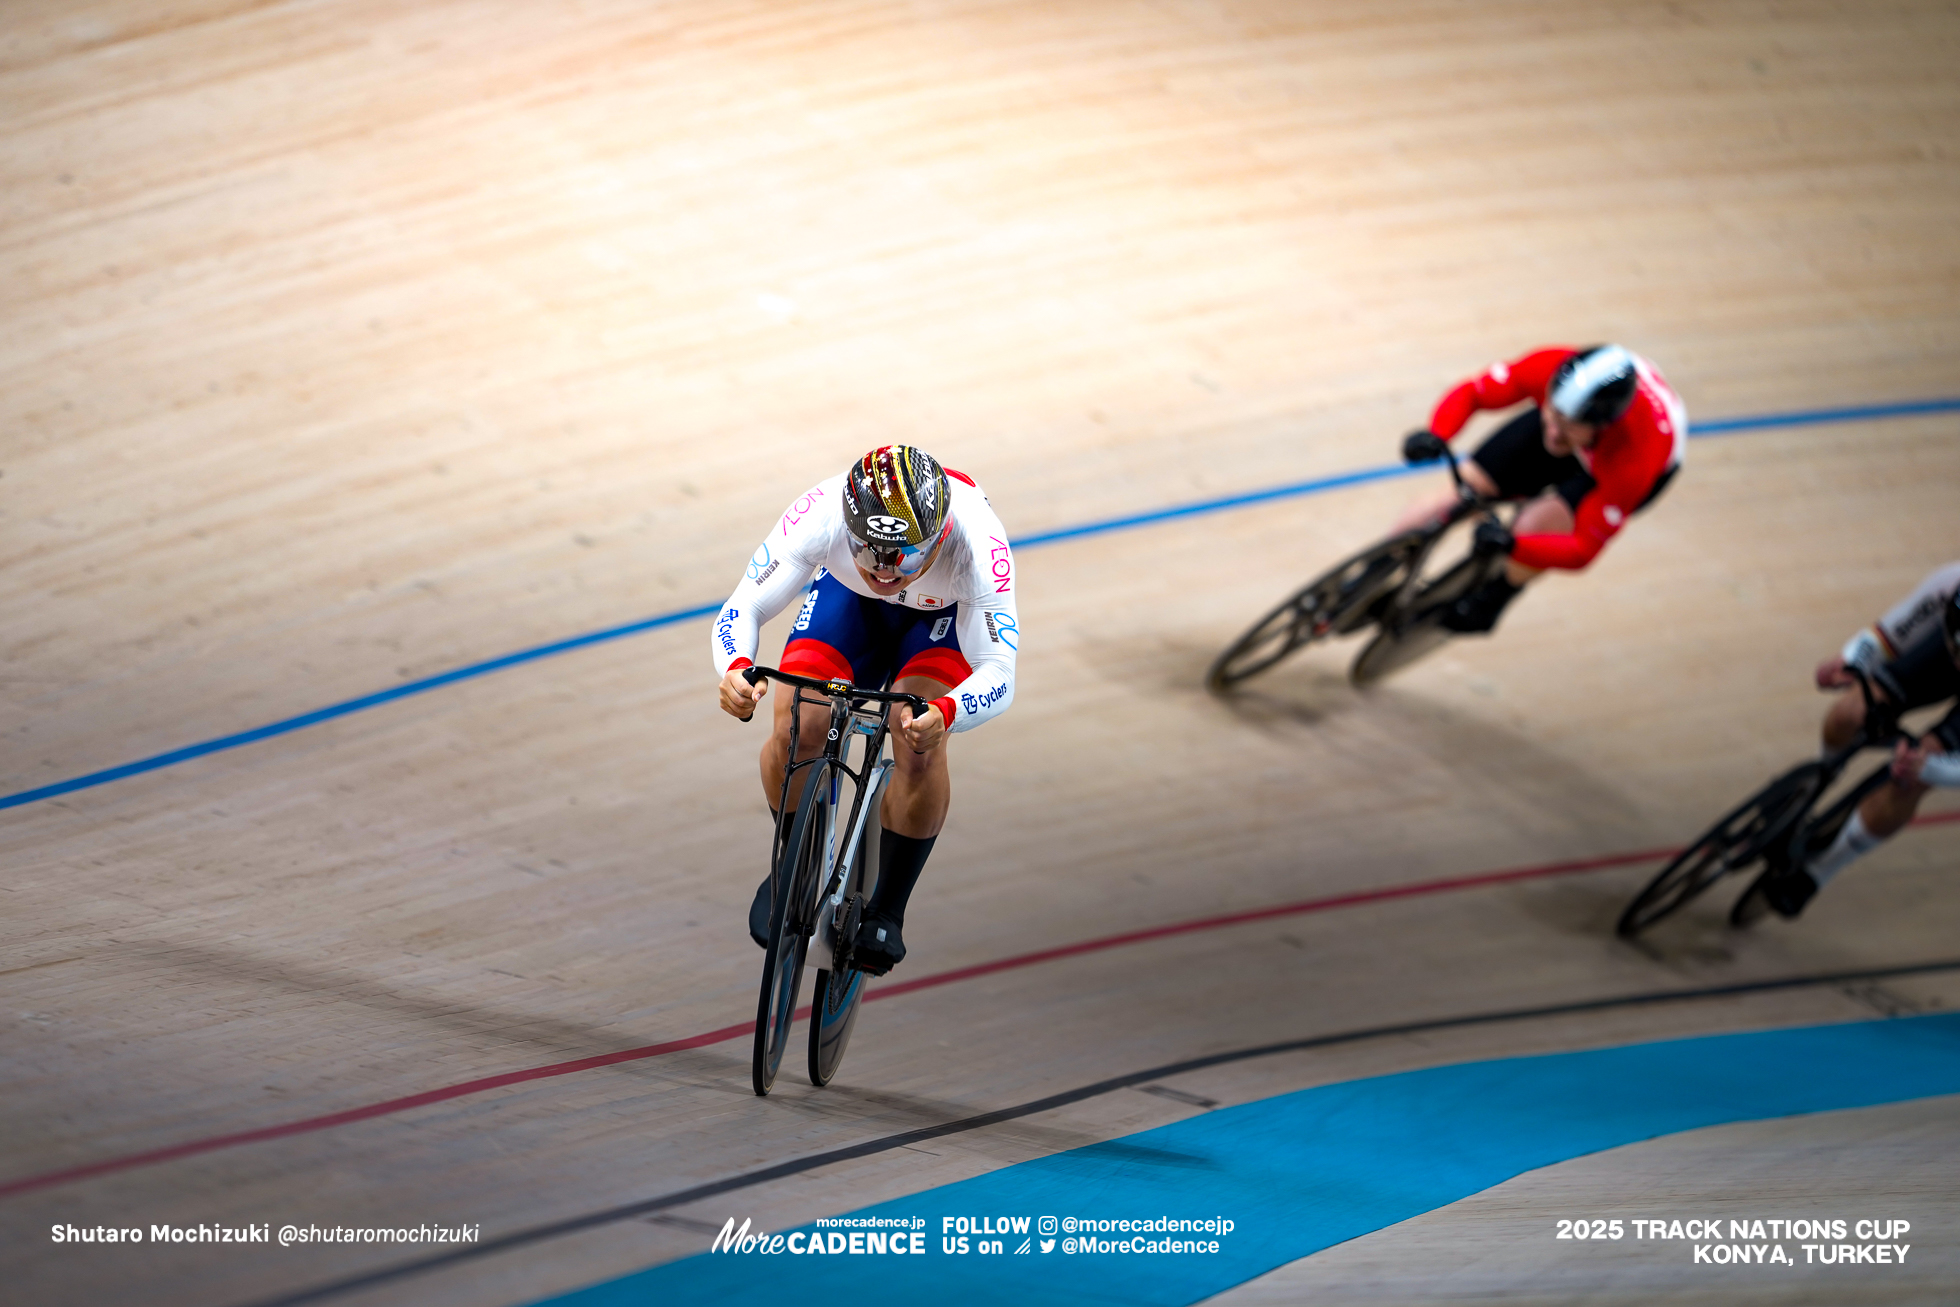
pixel 389 1107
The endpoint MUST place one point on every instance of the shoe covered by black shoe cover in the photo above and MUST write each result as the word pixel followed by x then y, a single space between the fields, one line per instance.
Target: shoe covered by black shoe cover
pixel 1786 891
pixel 1478 611
pixel 879 946
pixel 759 914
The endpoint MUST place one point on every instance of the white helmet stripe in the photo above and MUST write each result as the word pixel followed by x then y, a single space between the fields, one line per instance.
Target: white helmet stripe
pixel 1607 362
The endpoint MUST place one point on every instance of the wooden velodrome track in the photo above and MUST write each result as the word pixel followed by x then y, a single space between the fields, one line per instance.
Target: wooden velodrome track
pixel 346 344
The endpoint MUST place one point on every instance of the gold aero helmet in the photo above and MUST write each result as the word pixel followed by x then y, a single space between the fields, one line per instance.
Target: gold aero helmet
pixel 897 506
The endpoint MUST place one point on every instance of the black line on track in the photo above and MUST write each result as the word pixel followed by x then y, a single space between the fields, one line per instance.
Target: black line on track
pixel 887 1143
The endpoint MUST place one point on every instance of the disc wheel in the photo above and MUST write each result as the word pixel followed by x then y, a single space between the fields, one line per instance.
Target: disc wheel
pixel 1730 845
pixel 790 921
pixel 1334 603
pixel 1417 628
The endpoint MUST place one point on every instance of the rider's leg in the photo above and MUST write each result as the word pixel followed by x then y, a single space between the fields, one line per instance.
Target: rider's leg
pixel 1915 680
pixel 1429 512
pixel 1521 467
pixel 1478 611
pixel 1844 719
pixel 809 737
pixel 1883 814
pixel 914 809
pixel 834 637
pixel 1548 514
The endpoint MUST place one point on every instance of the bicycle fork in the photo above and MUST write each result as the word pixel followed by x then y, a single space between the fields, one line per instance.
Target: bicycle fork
pixel 823 941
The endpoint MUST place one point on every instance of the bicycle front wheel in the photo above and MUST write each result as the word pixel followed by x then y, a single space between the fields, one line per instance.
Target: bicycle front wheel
pixel 801 876
pixel 1334 603
pixel 1730 845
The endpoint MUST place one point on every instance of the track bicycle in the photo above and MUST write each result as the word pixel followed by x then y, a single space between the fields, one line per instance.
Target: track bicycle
pixel 1773 826
pixel 1385 587
pixel 824 871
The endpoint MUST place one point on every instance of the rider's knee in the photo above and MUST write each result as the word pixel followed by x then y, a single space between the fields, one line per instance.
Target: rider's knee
pixel 1479 480
pixel 1548 514
pixel 809 735
pixel 1844 719
pixel 912 765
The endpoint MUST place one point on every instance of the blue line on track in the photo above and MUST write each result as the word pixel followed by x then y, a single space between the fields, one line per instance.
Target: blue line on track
pixel 345 707
pixel 1307 1170
pixel 1725 426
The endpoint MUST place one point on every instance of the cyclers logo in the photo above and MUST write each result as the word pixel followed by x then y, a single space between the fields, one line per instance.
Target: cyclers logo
pixel 1002 630
pixel 724 630
pixel 973 703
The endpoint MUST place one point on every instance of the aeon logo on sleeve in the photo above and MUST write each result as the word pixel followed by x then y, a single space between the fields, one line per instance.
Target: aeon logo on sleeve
pixel 1002 630
pixel 1001 565
pixel 800 509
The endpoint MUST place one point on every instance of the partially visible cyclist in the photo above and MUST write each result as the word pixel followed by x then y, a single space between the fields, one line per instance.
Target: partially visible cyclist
pixel 913 587
pixel 1912 655
pixel 1603 437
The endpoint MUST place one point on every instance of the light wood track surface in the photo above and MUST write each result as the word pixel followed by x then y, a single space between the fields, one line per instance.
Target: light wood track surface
pixel 346 343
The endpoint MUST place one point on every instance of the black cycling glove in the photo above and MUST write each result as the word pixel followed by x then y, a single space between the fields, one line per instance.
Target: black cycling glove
pixel 1491 538
pixel 1424 447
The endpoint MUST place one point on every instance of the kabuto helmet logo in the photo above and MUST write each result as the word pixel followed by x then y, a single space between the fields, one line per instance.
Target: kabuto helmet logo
pixel 886 526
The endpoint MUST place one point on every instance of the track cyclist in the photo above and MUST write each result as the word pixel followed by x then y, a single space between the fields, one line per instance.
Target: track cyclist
pixel 1603 437
pixel 914 586
pixel 1912 655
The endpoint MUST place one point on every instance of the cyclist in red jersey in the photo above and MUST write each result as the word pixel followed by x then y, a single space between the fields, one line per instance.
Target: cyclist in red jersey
pixel 1603 437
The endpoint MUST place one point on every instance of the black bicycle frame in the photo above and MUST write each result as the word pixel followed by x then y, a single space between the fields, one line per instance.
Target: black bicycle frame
pixel 846 710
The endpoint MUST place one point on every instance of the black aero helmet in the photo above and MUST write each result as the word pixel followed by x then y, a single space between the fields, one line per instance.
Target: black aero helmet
pixel 1595 385
pixel 896 507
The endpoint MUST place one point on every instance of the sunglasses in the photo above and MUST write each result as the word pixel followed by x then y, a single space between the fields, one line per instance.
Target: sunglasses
pixel 906 560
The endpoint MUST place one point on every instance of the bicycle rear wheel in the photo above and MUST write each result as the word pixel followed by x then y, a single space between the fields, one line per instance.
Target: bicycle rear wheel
pixel 790 921
pixel 1334 603
pixel 1730 845
pixel 834 1006
pixel 1417 629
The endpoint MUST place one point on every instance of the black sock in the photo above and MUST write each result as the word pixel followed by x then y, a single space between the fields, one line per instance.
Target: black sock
pixel 900 860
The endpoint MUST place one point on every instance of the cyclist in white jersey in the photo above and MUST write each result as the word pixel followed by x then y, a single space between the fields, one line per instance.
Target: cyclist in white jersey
pixel 1912 655
pixel 910 582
